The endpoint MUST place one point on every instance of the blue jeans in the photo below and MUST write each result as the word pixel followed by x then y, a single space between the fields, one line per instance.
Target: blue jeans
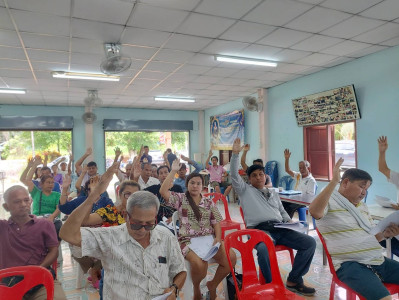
pixel 101 284
pixel 363 279
pixel 304 244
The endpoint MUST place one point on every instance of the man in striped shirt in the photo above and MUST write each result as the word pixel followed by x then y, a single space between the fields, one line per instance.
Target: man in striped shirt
pixel 345 223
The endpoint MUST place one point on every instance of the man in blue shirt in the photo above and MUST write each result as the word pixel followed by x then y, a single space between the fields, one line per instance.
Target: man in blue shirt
pixel 181 180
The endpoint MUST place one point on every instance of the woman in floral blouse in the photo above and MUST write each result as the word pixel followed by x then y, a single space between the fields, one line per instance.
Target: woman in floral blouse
pixel 198 217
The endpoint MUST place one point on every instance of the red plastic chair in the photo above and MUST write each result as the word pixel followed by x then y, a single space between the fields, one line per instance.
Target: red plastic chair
pixel 33 276
pixel 227 223
pixel 350 294
pixel 254 287
pixel 278 247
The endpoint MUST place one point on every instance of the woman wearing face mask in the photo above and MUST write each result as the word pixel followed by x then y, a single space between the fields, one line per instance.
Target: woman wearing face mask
pixel 198 217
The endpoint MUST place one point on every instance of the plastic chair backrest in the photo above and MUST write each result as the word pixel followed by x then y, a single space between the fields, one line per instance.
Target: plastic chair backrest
pixel 271 169
pixel 215 198
pixel 175 217
pixel 33 276
pixel 242 216
pixel 250 278
pixel 286 182
pixel 330 263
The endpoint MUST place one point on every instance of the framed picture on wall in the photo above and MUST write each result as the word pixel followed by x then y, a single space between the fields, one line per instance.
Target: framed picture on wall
pixel 225 128
pixel 332 106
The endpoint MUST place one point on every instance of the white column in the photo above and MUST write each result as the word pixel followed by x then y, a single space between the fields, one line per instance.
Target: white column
pixel 89 137
pixel 201 138
pixel 263 126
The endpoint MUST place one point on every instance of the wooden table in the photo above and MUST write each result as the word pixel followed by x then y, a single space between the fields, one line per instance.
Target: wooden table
pixel 378 212
pixel 302 199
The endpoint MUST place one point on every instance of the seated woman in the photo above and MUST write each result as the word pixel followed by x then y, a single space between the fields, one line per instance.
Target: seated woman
pixel 198 217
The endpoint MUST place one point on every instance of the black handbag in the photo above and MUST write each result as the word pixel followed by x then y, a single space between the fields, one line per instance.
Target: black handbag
pixel 231 289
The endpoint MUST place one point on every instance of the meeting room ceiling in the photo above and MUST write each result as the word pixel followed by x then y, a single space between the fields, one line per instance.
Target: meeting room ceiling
pixel 172 44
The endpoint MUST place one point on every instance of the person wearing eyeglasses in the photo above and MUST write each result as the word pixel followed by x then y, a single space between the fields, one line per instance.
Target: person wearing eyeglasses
pixel 198 217
pixel 140 262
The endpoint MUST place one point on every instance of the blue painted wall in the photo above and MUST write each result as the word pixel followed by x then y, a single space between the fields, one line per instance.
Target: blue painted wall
pixel 376 79
pixel 251 133
pixel 79 133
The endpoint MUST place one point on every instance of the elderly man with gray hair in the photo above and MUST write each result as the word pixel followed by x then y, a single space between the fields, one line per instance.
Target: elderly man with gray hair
pixel 304 181
pixel 139 260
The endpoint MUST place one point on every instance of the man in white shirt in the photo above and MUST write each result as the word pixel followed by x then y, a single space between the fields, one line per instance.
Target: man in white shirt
pixel 346 225
pixel 145 180
pixel 304 181
pixel 139 262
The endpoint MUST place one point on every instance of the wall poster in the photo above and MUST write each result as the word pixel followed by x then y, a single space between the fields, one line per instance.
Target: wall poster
pixel 336 105
pixel 224 129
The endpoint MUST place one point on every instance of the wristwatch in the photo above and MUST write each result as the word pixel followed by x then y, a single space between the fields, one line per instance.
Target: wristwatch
pixel 176 289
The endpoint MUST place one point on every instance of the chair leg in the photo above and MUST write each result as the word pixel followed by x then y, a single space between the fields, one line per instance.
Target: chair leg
pixel 332 290
pixel 291 256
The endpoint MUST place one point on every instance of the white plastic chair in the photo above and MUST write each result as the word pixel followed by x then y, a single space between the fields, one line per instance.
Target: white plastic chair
pixel 188 284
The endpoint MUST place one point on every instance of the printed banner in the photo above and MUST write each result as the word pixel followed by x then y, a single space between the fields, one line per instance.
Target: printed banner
pixel 225 129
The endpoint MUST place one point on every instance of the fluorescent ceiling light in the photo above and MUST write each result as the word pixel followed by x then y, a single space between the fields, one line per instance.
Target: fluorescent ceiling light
pixel 86 76
pixel 247 61
pixel 12 91
pixel 174 99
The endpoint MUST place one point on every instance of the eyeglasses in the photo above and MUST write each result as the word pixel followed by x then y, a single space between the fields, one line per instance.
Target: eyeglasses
pixel 138 226
pixel 126 195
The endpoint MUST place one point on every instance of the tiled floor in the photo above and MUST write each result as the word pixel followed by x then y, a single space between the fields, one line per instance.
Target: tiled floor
pixel 318 275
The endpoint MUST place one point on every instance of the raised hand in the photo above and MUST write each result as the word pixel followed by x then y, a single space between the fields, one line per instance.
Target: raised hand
pixel 247 147
pixel 185 158
pixel 237 146
pixel 337 171
pixel 89 151
pixel 118 151
pixel 382 144
pixel 66 182
pixel 175 165
pixel 210 152
pixel 136 169
pixel 287 153
pixel 37 161
pixel 105 179
pixel 84 169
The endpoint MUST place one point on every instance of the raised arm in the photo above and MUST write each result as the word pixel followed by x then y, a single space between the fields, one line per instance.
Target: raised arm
pixel 287 155
pixel 70 231
pixel 78 164
pixel 318 205
pixel 64 191
pixel 25 172
pixel 165 159
pixel 45 159
pixel 70 165
pixel 78 183
pixel 168 182
pixel 209 157
pixel 244 166
pixel 29 183
pixel 382 163
pixel 197 166
pixel 236 181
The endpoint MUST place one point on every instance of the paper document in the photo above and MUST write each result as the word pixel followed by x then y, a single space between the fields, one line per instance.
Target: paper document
pixel 168 225
pixel 384 201
pixel 392 218
pixel 297 226
pixel 290 192
pixel 162 297
pixel 202 246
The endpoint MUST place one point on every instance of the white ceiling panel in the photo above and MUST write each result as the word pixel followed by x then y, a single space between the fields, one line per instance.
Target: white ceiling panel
pixel 204 60
pixel 87 46
pixel 289 55
pixel 316 43
pixel 352 27
pixel 45 42
pixel 56 7
pixel 236 8
pixel 48 66
pixel 259 51
pixel 231 81
pixel 352 6
pixel 345 48
pixel 109 33
pixel 162 66
pixel 266 13
pixel 152 75
pixel 316 59
pixel 86 59
pixel 247 32
pixel 175 4
pixel 221 72
pixel 34 23
pixel 204 25
pixel 385 10
pixel 12 52
pixel 7 73
pixel 9 38
pixel 379 34
pixel 108 11
pixel 168 55
pixel 317 19
pixel 224 47
pixel 157 18
pixel 338 61
pixel 5 21
pixel 391 42
pixel 284 38
pixel 193 69
pixel 49 56
pixel 181 78
pixel 367 51
pixel 248 74
pixel 14 64
pixel 187 42
pixel 136 52
pixel 292 68
pixel 144 37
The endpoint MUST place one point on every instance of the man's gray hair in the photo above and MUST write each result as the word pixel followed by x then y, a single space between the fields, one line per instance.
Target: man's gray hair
pixel 143 200
pixel 307 164
pixel 11 190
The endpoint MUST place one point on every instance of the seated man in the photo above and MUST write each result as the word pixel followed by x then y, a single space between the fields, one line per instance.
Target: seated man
pixel 262 208
pixel 181 180
pixel 258 161
pixel 145 179
pixel 27 240
pixel 393 177
pixel 139 262
pixel 304 181
pixel 217 175
pixel 345 223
